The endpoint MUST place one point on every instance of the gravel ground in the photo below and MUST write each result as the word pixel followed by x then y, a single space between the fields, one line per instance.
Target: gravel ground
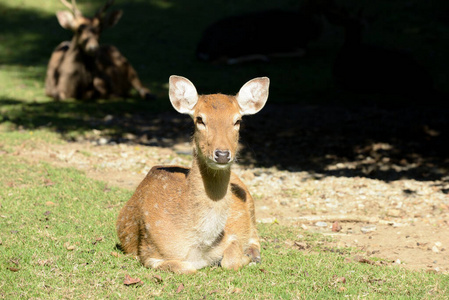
pixel 373 178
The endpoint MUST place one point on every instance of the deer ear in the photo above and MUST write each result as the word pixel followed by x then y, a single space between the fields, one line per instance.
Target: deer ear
pixel 183 94
pixel 66 19
pixel 253 95
pixel 111 19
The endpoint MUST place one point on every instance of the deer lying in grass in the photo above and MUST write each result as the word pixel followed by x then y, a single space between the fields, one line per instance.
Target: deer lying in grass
pixel 84 69
pixel 262 35
pixel 367 68
pixel 183 219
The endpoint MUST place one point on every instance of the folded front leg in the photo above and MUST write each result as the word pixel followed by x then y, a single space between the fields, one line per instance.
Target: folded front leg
pixel 233 257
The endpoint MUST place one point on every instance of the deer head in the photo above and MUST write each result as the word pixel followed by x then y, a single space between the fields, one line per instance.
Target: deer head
pixel 87 30
pixel 217 117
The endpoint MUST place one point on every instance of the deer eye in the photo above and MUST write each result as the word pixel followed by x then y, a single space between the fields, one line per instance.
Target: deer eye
pixel 199 121
pixel 82 27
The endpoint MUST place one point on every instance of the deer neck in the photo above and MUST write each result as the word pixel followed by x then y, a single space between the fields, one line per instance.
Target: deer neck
pixel 206 181
pixel 78 54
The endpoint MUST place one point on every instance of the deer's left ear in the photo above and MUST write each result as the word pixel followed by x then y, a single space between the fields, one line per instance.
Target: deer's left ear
pixel 67 20
pixel 111 19
pixel 253 95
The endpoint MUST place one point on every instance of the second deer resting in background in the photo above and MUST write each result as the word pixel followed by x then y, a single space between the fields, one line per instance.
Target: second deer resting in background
pixel 83 68
pixel 183 219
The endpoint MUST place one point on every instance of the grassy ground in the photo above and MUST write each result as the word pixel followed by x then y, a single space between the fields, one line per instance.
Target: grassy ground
pixel 58 241
pixel 57 232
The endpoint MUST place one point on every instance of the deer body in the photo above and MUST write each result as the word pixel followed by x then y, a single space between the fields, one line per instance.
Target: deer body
pixel 367 68
pixel 183 219
pixel 84 69
pixel 263 35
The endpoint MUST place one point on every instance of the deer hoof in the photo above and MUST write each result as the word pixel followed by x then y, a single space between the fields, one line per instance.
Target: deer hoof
pixel 254 254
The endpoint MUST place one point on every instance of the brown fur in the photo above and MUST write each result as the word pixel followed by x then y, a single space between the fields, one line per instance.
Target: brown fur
pixel 182 219
pixel 84 69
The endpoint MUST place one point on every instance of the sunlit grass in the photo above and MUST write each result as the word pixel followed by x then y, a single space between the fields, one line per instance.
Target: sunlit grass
pixel 57 232
pixel 58 241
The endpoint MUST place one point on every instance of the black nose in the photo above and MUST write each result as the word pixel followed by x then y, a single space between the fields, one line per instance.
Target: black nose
pixel 222 156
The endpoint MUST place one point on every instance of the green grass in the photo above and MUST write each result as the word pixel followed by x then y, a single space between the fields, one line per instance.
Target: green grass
pixel 58 241
pixel 45 211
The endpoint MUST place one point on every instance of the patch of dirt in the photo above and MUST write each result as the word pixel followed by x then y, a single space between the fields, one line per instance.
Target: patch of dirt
pixel 382 174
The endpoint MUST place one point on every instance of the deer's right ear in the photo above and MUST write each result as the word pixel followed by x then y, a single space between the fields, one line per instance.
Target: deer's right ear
pixel 66 19
pixel 112 18
pixel 183 94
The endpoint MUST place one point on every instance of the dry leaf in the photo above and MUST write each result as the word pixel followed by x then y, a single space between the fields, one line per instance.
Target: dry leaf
pixel 12 269
pixel 180 288
pixel 158 278
pixel 130 281
pixel 301 245
pixel 44 262
pixel 113 253
pixel 236 291
pixel 48 182
pixel 68 246
pixel 49 203
pixel 360 259
pixel 340 279
pixel 336 227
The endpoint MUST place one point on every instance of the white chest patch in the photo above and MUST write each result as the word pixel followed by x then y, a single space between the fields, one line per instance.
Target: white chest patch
pixel 211 227
pixel 207 233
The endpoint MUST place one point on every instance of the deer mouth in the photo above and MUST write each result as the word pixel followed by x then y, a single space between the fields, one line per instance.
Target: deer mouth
pixel 222 158
pixel 219 166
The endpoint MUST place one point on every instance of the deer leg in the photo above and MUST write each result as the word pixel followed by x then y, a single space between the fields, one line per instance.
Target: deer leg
pixel 128 231
pixel 133 78
pixel 101 86
pixel 233 257
pixel 175 266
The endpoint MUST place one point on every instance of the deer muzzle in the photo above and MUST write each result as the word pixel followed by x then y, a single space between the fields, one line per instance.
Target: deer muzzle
pixel 222 156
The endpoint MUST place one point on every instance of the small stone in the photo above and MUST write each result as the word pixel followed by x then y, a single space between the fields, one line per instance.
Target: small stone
pixel 397 261
pixel 369 228
pixel 321 224
pixel 435 249
pixel 102 141
pixel 394 212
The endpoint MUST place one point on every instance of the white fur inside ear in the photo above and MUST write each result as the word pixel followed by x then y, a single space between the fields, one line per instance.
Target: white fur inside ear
pixel 183 95
pixel 66 19
pixel 253 95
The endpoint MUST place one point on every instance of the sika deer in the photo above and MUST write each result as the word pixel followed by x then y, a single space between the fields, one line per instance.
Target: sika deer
pixel 84 69
pixel 366 68
pixel 183 219
pixel 262 35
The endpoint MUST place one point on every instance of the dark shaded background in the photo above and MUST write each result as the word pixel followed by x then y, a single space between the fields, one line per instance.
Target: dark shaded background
pixel 309 122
